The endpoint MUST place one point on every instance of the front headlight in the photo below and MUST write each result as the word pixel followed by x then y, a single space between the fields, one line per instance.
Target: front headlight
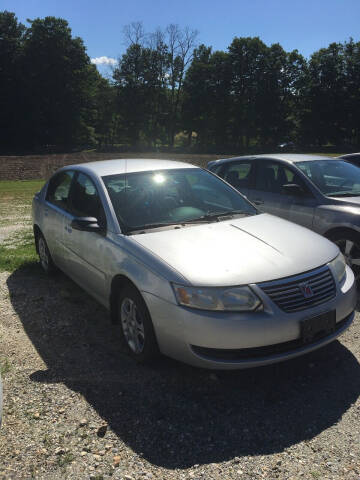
pixel 212 298
pixel 339 265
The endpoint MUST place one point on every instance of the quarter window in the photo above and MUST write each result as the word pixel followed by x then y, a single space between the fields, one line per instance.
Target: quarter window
pixel 238 174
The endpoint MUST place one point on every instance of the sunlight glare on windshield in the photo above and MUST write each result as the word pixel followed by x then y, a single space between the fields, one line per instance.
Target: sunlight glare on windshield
pixel 159 178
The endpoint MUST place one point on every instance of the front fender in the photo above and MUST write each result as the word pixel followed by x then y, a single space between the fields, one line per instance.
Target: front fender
pixel 331 217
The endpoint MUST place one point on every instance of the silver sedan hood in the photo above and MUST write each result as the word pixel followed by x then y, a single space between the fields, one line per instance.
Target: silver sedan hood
pixel 239 251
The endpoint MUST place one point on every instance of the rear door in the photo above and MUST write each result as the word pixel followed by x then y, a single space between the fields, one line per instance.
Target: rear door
pixel 240 174
pixel 56 207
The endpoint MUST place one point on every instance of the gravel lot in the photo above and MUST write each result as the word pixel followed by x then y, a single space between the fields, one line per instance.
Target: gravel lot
pixel 77 407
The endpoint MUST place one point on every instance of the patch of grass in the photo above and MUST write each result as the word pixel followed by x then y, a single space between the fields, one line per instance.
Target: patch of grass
pixel 65 459
pixel 17 251
pixel 5 366
pixel 15 200
pixel 22 189
pixel 47 441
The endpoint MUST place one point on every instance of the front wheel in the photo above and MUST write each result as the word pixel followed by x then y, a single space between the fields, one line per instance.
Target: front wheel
pixel 349 245
pixel 136 327
pixel 46 261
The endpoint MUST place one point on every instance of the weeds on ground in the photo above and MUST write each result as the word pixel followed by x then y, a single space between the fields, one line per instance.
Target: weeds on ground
pixel 66 459
pixel 17 251
pixel 5 366
pixel 17 248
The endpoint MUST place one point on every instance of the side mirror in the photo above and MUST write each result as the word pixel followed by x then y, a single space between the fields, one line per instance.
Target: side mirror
pixel 86 224
pixel 293 189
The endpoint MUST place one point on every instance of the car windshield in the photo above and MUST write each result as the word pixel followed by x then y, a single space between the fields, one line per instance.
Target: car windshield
pixel 335 178
pixel 152 199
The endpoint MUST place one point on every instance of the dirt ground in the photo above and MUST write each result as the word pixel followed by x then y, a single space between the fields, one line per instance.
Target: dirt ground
pixel 77 407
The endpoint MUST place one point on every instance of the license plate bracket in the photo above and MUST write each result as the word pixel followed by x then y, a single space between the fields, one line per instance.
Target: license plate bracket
pixel 318 326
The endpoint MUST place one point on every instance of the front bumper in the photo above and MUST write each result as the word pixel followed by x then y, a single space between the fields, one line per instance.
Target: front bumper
pixel 227 340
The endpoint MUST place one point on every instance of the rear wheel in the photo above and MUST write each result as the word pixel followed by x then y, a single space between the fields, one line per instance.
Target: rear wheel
pixel 349 245
pixel 46 261
pixel 136 326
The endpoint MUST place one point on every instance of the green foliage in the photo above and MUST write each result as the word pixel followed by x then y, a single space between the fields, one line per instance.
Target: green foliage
pixel 149 82
pixel 11 45
pixel 251 95
pixel 332 96
pixel 59 84
pixel 242 96
pixel 47 83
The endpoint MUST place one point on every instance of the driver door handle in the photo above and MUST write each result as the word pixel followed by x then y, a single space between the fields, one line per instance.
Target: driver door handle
pixel 258 201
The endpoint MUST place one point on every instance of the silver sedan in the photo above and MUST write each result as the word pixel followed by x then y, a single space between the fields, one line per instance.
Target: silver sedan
pixel 188 267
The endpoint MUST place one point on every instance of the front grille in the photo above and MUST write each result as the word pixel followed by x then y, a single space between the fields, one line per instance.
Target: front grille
pixel 287 293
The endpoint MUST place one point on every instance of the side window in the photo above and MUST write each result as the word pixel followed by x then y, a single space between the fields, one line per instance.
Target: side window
pixel 267 177
pixel 291 177
pixel 238 174
pixel 271 176
pixel 85 200
pixel 59 188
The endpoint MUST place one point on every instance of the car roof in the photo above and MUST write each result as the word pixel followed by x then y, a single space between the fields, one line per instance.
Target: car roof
pixel 285 157
pixel 103 168
pixel 350 155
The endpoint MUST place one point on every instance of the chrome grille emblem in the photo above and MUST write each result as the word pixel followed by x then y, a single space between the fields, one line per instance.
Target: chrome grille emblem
pixel 306 290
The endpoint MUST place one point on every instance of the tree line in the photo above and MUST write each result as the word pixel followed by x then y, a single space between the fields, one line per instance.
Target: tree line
pixel 168 91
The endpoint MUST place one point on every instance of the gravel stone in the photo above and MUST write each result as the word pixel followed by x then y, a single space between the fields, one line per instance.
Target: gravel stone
pixel 77 407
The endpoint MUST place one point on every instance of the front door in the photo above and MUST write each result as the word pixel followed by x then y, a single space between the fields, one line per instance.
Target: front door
pixel 86 250
pixel 270 196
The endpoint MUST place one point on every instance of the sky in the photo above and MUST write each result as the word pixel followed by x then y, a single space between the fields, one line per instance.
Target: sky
pixel 305 25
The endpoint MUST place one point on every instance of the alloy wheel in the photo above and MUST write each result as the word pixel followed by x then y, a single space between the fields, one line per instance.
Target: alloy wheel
pixel 132 325
pixel 43 254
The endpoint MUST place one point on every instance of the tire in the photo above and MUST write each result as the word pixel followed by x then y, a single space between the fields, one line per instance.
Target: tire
pixel 136 327
pixel 349 245
pixel 45 259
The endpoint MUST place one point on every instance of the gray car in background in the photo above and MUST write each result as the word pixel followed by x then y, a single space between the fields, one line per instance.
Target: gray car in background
pixel 320 193
pixel 353 158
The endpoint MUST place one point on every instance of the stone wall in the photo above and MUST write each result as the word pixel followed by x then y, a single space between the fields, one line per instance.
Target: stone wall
pixel 29 167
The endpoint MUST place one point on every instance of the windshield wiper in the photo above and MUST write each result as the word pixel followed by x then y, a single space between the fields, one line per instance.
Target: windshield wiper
pixel 203 219
pixel 149 226
pixel 215 215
